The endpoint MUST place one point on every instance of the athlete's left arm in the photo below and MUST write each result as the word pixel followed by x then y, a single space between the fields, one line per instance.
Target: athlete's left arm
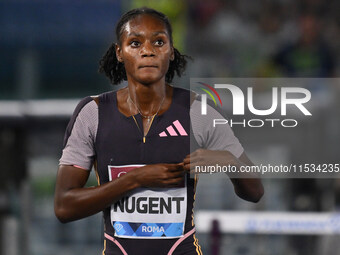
pixel 247 186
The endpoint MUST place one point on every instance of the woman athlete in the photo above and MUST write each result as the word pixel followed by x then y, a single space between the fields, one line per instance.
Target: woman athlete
pixel 143 140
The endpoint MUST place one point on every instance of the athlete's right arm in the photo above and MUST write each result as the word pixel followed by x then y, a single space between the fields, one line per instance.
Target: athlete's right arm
pixel 73 201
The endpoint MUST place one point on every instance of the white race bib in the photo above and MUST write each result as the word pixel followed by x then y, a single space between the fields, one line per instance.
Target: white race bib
pixel 148 213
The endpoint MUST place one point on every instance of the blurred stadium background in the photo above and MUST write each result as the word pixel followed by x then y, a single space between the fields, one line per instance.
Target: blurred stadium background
pixel 49 53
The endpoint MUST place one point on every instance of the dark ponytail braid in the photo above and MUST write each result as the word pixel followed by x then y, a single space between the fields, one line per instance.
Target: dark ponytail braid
pixel 177 66
pixel 111 67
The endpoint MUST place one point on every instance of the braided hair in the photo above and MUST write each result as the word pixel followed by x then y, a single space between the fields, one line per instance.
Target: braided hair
pixel 115 70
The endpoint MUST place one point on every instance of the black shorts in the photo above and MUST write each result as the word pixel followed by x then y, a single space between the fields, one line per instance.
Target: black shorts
pixel 186 245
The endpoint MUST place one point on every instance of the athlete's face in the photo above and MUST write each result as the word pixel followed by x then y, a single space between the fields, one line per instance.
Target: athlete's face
pixel 145 49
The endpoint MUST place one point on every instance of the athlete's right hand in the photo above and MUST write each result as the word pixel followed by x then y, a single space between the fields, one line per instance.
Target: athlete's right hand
pixel 160 175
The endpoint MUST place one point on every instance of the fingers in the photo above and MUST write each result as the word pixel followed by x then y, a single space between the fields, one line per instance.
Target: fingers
pixel 176 167
pixel 177 174
pixel 191 161
pixel 186 160
pixel 190 168
pixel 194 157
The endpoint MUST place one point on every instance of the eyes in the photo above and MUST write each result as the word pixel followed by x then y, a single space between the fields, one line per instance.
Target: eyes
pixel 159 42
pixel 134 43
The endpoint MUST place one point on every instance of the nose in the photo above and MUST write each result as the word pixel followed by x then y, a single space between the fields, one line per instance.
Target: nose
pixel 147 50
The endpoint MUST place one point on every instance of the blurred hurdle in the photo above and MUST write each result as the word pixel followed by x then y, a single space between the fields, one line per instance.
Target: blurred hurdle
pixel 240 222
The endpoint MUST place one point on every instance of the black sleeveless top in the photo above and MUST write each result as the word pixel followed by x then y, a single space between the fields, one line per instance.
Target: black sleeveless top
pixel 146 221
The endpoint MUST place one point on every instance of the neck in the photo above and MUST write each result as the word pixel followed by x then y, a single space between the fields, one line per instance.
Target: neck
pixel 147 97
